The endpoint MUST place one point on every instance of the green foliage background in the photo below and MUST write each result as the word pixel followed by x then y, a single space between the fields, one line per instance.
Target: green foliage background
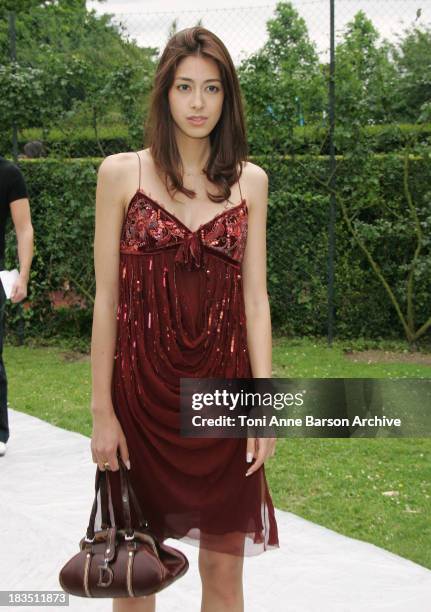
pixel 81 85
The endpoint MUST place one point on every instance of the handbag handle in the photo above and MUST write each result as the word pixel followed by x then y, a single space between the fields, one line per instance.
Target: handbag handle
pixel 127 492
pixel 104 505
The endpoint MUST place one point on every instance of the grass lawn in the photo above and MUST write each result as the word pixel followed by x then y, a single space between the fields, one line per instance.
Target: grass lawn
pixel 377 490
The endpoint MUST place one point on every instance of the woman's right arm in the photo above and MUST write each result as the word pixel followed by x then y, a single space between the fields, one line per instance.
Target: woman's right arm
pixel 107 433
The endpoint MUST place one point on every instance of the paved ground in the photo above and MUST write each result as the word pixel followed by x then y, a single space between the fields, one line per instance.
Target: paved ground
pixel 46 484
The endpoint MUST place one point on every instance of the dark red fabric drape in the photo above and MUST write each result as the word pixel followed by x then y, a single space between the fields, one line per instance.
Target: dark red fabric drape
pixel 181 314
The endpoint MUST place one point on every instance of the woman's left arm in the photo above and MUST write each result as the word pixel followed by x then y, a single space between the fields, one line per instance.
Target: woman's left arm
pixel 257 309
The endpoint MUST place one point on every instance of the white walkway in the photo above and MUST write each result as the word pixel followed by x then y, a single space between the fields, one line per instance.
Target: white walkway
pixel 46 492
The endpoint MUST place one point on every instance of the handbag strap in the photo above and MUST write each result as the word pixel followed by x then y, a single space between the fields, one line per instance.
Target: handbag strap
pixel 104 504
pixel 127 493
pixel 90 529
pixel 102 483
pixel 126 500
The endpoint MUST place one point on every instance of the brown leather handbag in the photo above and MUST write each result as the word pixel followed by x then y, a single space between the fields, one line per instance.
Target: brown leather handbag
pixel 115 562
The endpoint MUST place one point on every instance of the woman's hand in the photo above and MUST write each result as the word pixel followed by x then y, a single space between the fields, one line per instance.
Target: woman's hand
pixel 260 449
pixel 107 437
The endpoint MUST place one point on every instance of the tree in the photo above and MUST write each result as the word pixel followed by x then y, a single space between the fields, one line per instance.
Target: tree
pixel 365 75
pixel 284 71
pixel 413 85
pixel 70 65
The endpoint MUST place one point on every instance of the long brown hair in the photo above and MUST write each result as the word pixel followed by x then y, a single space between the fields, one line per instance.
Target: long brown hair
pixel 228 138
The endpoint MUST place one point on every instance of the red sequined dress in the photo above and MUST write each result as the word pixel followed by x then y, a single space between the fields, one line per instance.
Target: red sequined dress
pixel 181 314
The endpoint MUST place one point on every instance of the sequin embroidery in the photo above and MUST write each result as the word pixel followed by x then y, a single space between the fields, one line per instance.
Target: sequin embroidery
pixel 148 227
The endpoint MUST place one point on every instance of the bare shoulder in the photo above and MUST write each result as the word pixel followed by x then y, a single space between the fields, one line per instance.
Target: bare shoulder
pixel 256 185
pixel 116 166
pixel 118 175
pixel 112 163
pixel 126 164
pixel 109 171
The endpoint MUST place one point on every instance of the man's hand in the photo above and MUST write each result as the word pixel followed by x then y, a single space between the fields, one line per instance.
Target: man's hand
pixel 19 290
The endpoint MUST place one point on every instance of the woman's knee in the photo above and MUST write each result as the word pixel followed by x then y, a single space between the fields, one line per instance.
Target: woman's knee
pixel 221 577
pixel 219 569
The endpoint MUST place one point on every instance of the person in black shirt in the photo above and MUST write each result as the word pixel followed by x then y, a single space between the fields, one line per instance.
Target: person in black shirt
pixel 13 202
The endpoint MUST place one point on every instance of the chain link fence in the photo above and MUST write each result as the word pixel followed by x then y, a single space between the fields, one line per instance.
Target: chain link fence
pixel 78 82
pixel 93 98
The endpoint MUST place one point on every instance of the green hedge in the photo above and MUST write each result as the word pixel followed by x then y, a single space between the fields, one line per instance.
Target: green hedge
pixel 302 140
pixel 62 195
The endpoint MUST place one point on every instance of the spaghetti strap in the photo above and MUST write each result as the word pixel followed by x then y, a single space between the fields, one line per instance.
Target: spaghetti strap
pixel 239 185
pixel 139 157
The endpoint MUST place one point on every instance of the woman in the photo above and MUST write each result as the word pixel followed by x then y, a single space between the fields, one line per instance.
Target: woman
pixel 180 262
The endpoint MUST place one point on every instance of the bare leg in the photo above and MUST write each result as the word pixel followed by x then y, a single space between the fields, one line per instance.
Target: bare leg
pixel 221 576
pixel 134 604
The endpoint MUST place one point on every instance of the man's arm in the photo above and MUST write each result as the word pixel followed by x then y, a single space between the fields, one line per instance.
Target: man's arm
pixel 21 217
